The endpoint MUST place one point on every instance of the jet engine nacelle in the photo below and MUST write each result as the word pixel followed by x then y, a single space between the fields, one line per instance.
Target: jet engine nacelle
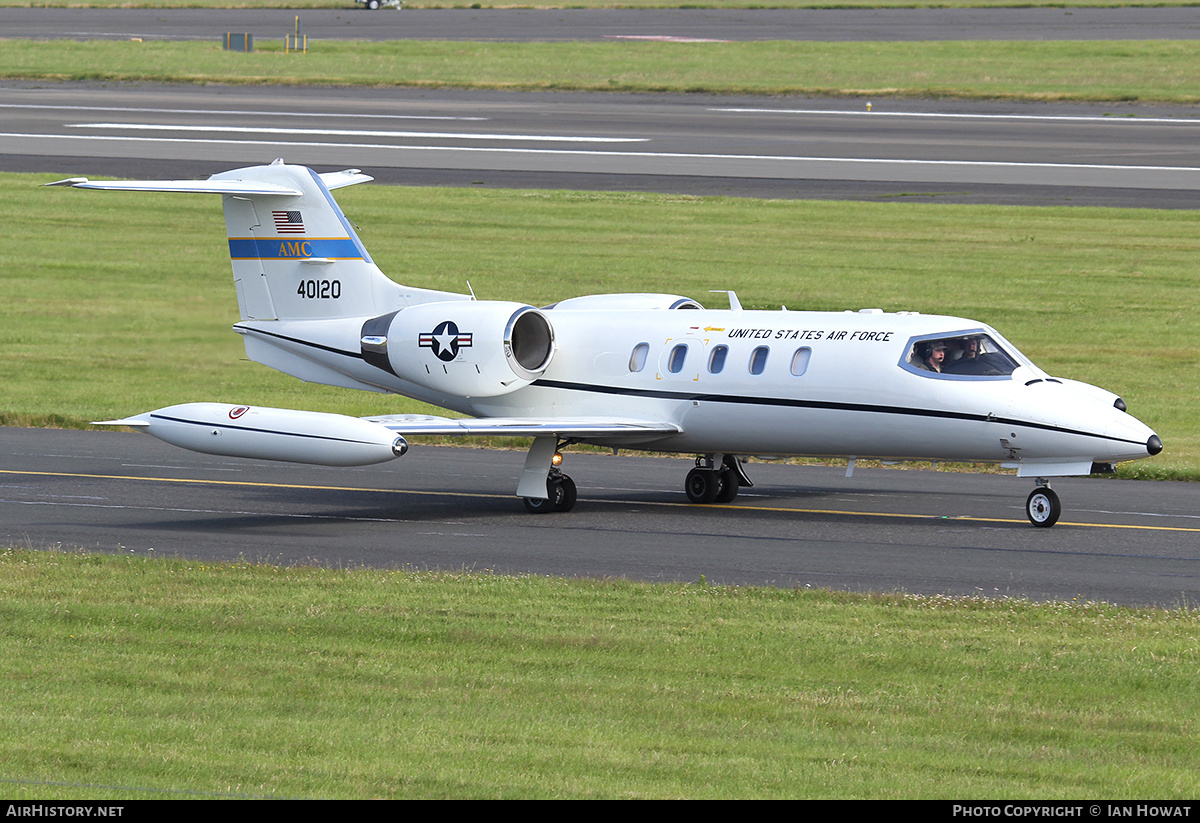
pixel 475 348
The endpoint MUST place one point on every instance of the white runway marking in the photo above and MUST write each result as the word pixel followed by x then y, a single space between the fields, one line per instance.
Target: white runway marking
pixel 240 112
pixel 968 116
pixel 433 135
pixel 622 154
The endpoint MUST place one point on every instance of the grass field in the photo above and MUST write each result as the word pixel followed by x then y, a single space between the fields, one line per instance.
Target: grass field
pixel 1147 71
pixel 126 677
pixel 108 315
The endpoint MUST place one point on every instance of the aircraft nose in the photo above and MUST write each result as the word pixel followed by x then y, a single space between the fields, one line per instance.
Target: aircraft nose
pixel 1153 445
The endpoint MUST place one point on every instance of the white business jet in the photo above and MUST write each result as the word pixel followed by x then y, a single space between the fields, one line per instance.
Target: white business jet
pixel 625 371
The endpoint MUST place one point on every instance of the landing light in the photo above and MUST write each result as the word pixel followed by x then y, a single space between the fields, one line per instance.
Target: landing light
pixel 556 460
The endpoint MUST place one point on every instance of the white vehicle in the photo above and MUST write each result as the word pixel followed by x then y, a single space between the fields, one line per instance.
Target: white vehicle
pixel 626 371
pixel 375 4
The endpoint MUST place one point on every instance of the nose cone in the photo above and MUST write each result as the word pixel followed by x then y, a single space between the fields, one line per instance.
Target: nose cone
pixel 1090 422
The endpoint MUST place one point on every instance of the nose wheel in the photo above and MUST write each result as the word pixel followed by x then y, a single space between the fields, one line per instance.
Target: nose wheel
pixel 1042 507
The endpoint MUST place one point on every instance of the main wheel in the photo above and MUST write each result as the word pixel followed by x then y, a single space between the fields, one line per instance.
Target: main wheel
pixel 560 497
pixel 1042 507
pixel 702 485
pixel 538 505
pixel 372 4
pixel 563 494
pixel 729 487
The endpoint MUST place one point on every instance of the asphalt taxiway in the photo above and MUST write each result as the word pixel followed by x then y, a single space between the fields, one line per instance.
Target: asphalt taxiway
pixel 930 532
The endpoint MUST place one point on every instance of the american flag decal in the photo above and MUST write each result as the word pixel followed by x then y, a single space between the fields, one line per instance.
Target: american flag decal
pixel 288 222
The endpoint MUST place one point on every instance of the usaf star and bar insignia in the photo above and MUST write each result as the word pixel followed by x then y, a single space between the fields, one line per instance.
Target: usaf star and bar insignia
pixel 445 340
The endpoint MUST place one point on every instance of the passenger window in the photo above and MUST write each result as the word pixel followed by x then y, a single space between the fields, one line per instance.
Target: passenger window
pixel 637 360
pixel 678 355
pixel 800 361
pixel 716 360
pixel 758 359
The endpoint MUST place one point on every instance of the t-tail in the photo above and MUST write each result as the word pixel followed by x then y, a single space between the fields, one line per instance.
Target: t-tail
pixel 295 255
pixel 314 304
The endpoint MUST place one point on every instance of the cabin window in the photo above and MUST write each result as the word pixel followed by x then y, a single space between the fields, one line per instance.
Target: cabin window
pixel 800 361
pixel 971 355
pixel 637 360
pixel 675 361
pixel 716 360
pixel 758 359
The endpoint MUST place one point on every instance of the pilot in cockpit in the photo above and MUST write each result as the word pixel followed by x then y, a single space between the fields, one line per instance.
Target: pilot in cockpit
pixel 931 355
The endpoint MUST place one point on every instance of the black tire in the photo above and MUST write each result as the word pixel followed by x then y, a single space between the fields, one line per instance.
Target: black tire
pixel 1042 507
pixel 563 494
pixel 702 485
pixel 372 4
pixel 729 487
pixel 538 505
pixel 560 497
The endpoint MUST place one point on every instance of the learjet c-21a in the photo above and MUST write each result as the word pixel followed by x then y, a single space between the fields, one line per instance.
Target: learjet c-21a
pixel 625 371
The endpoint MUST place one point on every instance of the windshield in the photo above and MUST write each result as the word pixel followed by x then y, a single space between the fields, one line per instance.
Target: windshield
pixel 974 354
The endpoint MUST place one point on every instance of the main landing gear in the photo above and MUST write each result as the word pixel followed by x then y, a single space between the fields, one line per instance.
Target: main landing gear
pixel 559 489
pixel 715 480
pixel 560 495
pixel 1042 506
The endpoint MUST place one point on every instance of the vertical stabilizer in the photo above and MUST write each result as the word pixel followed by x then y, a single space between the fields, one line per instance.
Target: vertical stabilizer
pixel 295 255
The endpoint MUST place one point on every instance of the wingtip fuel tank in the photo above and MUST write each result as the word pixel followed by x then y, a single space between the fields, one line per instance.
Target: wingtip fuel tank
pixel 263 433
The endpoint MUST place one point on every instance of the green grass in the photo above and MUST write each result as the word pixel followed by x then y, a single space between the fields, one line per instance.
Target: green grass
pixel 1149 71
pixel 184 677
pixel 108 314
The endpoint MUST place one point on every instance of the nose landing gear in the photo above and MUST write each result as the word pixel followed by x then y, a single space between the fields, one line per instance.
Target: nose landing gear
pixel 1042 506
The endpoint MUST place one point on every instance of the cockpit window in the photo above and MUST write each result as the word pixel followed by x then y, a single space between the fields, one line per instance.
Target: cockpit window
pixel 965 355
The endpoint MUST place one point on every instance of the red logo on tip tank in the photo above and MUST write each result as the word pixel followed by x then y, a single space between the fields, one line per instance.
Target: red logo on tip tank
pixel 234 414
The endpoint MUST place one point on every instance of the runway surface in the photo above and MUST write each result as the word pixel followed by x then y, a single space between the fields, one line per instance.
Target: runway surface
pixel 954 152
pixel 351 23
pixel 882 530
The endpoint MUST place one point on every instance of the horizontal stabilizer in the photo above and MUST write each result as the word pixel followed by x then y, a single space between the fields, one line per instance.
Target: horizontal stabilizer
pixel 341 179
pixel 243 187
pixel 332 180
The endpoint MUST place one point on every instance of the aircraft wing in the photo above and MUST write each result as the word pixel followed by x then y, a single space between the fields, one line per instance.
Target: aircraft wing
pixel 578 427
